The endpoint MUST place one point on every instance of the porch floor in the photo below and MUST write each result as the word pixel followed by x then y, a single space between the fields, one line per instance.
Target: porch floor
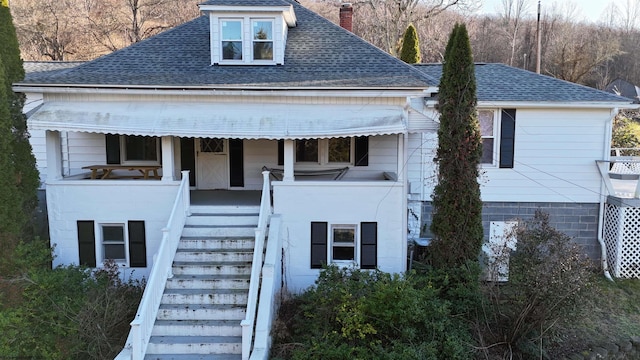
pixel 225 197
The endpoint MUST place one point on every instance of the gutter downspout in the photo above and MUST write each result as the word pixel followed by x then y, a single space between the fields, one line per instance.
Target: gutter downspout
pixel 607 156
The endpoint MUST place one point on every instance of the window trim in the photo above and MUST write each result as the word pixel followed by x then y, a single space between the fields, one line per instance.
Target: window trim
pixel 495 156
pixel 356 245
pixel 246 31
pixel 504 134
pixel 323 153
pixel 222 39
pixel 125 242
pixel 252 21
pixel 123 152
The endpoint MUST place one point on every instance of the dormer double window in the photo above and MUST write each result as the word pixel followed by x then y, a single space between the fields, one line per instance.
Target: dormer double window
pixel 248 35
pixel 261 42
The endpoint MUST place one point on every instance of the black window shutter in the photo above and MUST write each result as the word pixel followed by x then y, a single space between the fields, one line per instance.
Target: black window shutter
pixel 236 162
pixel 368 245
pixel 137 244
pixel 507 137
pixel 318 244
pixel 362 151
pixel 87 243
pixel 113 148
pixel 280 152
pixel 188 158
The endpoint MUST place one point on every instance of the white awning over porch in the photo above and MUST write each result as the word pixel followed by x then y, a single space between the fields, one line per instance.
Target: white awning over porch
pixel 220 120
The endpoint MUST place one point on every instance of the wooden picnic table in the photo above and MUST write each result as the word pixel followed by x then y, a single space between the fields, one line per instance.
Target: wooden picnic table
pixel 146 171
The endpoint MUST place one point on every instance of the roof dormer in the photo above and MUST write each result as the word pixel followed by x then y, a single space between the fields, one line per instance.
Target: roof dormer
pixel 248 32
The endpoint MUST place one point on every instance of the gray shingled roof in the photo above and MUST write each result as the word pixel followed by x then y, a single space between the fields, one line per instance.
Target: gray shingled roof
pixel 35 69
pixel 319 54
pixel 499 82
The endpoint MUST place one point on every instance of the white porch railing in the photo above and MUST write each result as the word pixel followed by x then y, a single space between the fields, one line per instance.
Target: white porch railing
pixel 271 280
pixel 625 171
pixel 142 324
pixel 256 267
pixel 625 151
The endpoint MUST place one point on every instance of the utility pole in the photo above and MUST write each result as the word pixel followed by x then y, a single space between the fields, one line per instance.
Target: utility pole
pixel 539 42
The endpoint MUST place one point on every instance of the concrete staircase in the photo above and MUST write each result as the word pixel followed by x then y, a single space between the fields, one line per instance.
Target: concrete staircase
pixel 204 302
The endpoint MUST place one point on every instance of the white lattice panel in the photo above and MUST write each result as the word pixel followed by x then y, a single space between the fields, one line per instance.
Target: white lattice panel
pixel 622 240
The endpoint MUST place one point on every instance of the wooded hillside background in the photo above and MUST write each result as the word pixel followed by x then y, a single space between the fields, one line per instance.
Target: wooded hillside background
pixel 573 50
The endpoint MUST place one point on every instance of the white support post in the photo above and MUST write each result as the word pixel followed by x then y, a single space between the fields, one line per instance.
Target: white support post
pixel 400 158
pixel 168 168
pixel 288 160
pixel 54 155
pixel 186 196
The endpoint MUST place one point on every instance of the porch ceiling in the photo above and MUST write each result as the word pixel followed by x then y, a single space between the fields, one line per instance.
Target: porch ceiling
pixel 220 120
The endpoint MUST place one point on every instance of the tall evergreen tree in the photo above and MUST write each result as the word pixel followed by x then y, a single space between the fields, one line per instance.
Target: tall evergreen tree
pixel 9 199
pixel 457 208
pixel 410 52
pixel 22 168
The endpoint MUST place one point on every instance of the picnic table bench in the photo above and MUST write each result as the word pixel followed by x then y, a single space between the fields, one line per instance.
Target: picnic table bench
pixel 106 171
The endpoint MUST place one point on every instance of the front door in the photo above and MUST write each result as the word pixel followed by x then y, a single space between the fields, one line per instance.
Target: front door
pixel 213 163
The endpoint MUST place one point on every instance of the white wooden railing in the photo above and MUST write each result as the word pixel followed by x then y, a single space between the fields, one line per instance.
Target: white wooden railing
pixel 625 151
pixel 271 284
pixel 256 267
pixel 142 324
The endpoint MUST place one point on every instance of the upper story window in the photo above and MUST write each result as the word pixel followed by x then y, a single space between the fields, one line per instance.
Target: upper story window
pixel 246 40
pixel 498 129
pixel 231 35
pixel 262 39
pixel 488 126
pixel 248 34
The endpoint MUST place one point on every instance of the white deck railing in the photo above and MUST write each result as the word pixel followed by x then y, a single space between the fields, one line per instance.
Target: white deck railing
pixel 256 267
pixel 142 324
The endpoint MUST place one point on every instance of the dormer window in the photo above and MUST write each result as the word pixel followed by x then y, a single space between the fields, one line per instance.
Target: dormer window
pixel 249 34
pixel 262 39
pixel 231 35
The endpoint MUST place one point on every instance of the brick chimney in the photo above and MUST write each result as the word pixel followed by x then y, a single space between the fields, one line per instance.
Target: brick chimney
pixel 346 16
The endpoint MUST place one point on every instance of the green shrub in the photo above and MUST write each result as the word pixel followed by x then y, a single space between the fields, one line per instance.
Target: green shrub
pixel 549 276
pixel 353 314
pixel 410 52
pixel 68 313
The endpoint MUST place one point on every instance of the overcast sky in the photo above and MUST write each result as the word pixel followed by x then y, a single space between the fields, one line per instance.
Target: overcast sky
pixel 590 10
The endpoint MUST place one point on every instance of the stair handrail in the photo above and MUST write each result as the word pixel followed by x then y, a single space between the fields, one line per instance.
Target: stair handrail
pixel 256 266
pixel 268 302
pixel 142 324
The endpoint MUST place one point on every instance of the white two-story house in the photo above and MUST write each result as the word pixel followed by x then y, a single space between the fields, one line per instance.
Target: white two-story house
pixel 166 156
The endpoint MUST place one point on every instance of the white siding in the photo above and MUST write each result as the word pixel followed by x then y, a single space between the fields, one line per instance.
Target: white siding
pixel 84 149
pixel 555 153
pixel 344 203
pixel 115 201
pixel 258 153
pixel 39 148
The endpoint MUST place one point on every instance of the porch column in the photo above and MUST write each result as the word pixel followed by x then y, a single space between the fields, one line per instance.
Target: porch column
pixel 168 159
pixel 54 155
pixel 400 158
pixel 288 161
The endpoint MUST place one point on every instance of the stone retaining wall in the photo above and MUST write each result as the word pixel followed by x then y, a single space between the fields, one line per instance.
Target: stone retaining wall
pixel 622 350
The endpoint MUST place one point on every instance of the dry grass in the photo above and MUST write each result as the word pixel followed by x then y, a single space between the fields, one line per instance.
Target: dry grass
pixel 612 315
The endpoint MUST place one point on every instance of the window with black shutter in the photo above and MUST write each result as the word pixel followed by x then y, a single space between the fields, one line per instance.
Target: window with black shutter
pixel 86 243
pixel 137 244
pixel 318 244
pixel 507 137
pixel 368 245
